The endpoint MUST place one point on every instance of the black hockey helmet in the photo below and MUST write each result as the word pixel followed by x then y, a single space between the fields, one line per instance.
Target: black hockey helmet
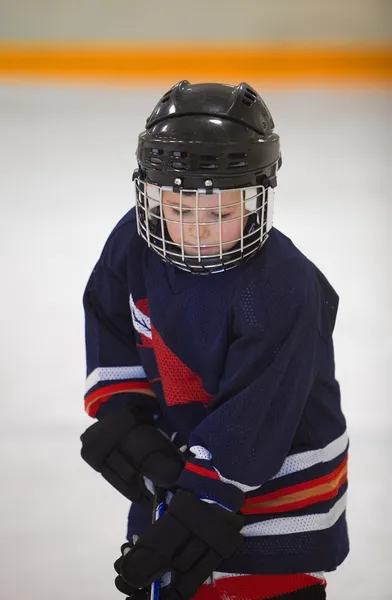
pixel 203 140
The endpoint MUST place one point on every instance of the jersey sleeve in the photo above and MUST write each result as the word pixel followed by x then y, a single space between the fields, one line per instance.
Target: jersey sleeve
pixel 115 376
pixel 280 334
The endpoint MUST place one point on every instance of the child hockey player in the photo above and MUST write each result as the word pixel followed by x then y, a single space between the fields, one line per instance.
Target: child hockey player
pixel 210 366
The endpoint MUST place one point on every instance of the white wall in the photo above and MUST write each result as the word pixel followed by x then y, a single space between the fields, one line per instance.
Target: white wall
pixel 265 20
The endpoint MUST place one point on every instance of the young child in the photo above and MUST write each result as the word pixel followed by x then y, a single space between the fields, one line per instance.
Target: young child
pixel 210 366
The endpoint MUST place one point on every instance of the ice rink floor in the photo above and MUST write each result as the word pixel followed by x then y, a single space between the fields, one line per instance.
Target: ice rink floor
pixel 66 161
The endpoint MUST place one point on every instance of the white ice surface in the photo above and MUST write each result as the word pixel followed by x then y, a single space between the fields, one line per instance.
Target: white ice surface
pixel 66 160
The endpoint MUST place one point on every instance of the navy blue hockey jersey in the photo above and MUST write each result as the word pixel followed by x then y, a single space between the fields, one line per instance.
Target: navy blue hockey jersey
pixel 241 364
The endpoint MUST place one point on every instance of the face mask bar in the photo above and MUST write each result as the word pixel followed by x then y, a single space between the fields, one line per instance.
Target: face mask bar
pixel 203 233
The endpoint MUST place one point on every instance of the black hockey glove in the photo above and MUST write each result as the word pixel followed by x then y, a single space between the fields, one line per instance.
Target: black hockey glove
pixel 189 541
pixel 133 593
pixel 125 447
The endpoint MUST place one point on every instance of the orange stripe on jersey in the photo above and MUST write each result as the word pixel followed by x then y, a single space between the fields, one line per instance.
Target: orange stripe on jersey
pixel 94 400
pixel 201 471
pixel 298 496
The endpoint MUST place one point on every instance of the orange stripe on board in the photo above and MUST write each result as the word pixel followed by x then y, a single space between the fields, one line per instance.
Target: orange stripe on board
pixel 149 62
pixel 298 496
pixel 93 401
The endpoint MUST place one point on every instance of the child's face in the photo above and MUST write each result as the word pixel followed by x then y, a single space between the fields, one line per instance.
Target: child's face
pixel 208 217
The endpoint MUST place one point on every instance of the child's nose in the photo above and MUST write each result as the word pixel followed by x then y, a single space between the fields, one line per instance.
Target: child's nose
pixel 203 231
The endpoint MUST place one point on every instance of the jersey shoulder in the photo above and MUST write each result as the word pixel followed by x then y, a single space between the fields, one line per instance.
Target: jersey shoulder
pixel 282 280
pixel 123 243
pixel 280 263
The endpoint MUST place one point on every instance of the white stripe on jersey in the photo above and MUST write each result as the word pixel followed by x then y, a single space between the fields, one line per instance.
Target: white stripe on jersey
pixel 113 374
pixel 305 460
pixel 141 322
pixel 218 575
pixel 289 525
pixel 292 464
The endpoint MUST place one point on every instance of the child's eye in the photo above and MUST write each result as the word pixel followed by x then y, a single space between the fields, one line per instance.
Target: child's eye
pixel 178 212
pixel 224 215
pixel 186 211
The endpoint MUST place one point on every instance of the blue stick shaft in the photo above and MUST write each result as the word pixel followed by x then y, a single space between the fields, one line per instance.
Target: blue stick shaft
pixel 158 510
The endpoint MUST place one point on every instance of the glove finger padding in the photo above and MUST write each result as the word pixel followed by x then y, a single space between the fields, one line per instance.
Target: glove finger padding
pixel 133 593
pixel 189 541
pixel 122 586
pixel 154 453
pixel 125 447
pixel 125 478
pixel 108 431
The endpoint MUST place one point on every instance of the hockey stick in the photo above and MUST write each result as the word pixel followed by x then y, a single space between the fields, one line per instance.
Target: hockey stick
pixel 158 510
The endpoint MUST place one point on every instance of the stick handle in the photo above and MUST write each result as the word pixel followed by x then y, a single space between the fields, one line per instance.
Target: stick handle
pixel 157 512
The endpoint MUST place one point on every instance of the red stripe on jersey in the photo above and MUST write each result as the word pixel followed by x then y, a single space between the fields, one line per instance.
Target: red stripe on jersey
pixel 201 471
pixel 255 587
pixel 94 400
pixel 300 495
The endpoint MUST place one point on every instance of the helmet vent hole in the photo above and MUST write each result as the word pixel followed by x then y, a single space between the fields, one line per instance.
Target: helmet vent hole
pixel 178 154
pixel 166 97
pixel 179 165
pixel 251 92
pixel 208 161
pixel 208 165
pixel 156 151
pixel 249 97
pixel 238 164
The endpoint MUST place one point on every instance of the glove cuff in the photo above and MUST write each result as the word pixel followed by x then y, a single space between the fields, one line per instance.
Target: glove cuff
pixel 133 400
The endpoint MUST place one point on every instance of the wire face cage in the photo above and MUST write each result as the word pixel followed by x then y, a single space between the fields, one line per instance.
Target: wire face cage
pixel 202 231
